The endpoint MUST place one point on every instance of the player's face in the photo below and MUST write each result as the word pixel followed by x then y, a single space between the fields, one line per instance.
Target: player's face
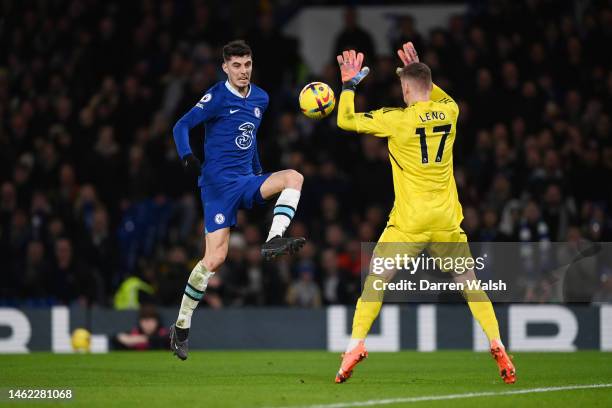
pixel 238 70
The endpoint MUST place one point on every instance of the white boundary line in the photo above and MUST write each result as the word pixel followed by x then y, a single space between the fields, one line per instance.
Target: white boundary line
pixel 369 403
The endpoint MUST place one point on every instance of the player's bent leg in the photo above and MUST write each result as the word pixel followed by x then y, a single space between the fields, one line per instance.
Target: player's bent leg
pixel 289 184
pixel 482 310
pixel 216 251
pixel 279 181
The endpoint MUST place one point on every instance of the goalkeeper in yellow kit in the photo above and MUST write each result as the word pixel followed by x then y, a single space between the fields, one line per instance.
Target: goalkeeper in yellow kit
pixel 426 209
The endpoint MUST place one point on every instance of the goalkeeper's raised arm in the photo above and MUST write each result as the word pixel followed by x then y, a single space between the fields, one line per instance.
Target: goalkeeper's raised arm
pixel 352 74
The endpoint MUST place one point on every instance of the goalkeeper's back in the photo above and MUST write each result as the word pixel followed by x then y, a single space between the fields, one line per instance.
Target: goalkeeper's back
pixel 420 140
pixel 421 153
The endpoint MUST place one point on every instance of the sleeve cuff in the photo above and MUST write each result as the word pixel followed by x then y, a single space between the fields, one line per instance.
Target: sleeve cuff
pixel 349 86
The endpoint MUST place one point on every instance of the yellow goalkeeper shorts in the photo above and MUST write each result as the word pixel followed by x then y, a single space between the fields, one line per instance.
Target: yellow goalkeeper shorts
pixel 442 244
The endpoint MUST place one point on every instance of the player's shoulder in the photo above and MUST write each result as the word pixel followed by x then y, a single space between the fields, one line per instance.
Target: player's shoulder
pixel 447 108
pixel 213 95
pixel 259 92
pixel 447 104
pixel 219 90
pixel 393 110
pixel 388 112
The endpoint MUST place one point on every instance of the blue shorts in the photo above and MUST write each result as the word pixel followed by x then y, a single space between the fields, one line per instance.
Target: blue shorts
pixel 222 201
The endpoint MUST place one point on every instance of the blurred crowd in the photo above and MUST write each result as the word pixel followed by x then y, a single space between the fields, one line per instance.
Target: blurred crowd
pixel 94 203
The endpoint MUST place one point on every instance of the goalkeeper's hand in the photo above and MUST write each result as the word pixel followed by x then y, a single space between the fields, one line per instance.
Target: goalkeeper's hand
pixel 350 69
pixel 192 165
pixel 407 54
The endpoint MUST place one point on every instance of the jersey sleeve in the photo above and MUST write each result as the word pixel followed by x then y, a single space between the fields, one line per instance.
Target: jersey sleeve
pixel 438 95
pixel 373 123
pixel 203 111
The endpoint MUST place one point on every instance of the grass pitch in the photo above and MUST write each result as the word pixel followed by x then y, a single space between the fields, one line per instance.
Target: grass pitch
pixel 292 379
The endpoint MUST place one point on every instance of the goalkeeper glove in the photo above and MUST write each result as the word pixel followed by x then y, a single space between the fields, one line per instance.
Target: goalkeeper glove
pixel 350 69
pixel 408 55
pixel 192 165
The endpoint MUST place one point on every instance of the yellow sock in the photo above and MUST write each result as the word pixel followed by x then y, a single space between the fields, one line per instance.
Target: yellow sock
pixel 368 308
pixel 483 312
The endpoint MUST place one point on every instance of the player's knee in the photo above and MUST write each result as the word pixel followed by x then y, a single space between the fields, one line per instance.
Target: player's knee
pixel 214 260
pixel 294 179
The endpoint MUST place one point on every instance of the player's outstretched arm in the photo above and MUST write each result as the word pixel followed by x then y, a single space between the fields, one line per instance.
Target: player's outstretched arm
pixel 352 74
pixel 346 111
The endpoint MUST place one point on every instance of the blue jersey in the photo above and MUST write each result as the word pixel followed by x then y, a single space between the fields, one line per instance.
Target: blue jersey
pixel 231 123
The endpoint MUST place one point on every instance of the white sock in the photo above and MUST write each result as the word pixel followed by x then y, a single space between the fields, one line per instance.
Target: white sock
pixel 284 210
pixel 352 344
pixel 194 291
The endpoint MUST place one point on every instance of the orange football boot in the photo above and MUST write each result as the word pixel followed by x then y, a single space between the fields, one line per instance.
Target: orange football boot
pixel 349 361
pixel 504 362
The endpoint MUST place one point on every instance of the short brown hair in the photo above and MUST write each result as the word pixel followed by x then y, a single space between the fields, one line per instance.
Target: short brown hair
pixel 236 48
pixel 417 71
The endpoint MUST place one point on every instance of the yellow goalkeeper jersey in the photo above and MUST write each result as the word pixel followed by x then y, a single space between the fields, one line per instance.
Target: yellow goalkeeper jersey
pixel 420 139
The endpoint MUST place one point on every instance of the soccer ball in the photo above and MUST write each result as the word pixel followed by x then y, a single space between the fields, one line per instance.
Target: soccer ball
pixel 81 340
pixel 317 100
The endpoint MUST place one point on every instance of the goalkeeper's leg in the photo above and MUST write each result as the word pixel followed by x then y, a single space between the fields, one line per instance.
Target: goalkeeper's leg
pixel 391 243
pixel 367 310
pixel 482 310
pixel 216 251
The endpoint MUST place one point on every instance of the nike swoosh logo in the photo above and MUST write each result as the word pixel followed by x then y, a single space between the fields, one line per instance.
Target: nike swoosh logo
pixel 233 111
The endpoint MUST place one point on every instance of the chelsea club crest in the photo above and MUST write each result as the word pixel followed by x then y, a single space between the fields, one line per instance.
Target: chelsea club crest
pixel 257 112
pixel 219 219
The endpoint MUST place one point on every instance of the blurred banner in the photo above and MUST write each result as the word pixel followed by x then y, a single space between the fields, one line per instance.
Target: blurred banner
pixel 423 327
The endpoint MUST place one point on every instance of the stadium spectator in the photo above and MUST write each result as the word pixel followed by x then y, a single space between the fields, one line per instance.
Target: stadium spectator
pixel 34 274
pixel 407 32
pixel 353 37
pixel 71 281
pixel 304 292
pixel 337 285
pixel 99 246
pixel 149 334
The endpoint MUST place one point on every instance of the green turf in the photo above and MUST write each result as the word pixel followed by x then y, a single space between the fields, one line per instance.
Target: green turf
pixel 287 378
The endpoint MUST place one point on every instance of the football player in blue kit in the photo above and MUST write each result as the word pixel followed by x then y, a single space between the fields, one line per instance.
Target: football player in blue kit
pixel 231 176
